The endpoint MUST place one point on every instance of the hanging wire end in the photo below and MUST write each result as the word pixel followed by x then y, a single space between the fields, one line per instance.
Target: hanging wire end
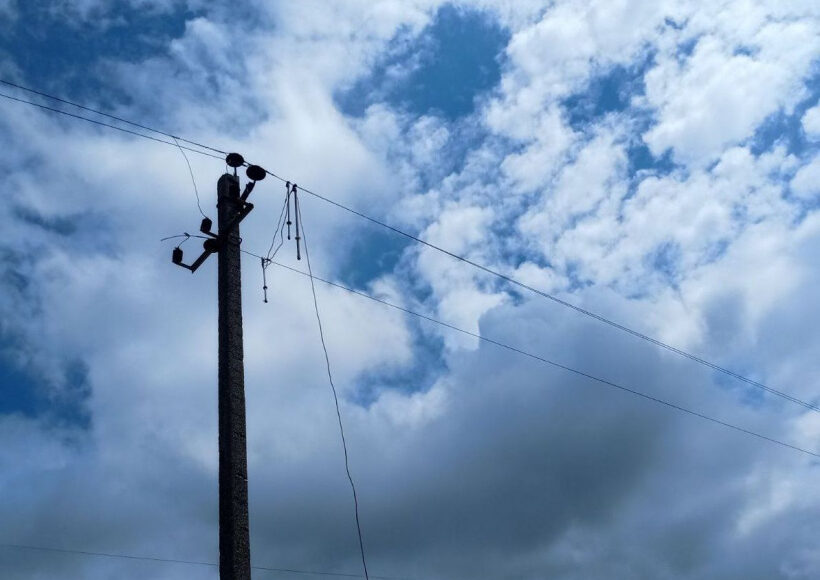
pixel 265 263
pixel 297 212
pixel 287 201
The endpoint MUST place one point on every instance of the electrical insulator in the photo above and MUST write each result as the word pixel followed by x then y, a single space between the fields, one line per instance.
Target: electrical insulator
pixel 176 256
pixel 235 160
pixel 255 173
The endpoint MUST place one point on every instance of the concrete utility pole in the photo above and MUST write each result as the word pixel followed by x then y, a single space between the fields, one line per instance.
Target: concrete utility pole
pixel 234 532
pixel 234 535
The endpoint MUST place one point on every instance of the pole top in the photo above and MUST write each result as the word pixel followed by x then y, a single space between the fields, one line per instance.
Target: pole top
pixel 227 186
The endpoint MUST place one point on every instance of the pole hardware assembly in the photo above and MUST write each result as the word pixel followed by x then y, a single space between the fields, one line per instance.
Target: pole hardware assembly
pixel 211 246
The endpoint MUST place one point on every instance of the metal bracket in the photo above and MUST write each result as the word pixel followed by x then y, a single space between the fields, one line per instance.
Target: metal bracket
pixel 211 246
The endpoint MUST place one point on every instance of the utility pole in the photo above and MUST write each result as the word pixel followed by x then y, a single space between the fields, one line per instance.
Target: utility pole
pixel 234 532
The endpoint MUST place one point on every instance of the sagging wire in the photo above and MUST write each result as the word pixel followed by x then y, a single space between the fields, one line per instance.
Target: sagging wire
pixel 290 191
pixel 191 171
pixel 280 226
pixel 266 260
pixel 297 213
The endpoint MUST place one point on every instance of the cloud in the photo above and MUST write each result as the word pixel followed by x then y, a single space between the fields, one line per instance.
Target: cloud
pixel 471 461
pixel 806 182
pixel 811 122
pixel 710 100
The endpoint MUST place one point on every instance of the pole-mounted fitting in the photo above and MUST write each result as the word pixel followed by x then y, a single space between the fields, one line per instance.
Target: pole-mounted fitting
pixel 214 243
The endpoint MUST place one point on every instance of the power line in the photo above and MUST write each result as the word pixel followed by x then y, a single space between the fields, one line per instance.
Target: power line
pixel 508 279
pixel 190 562
pixel 103 124
pixel 104 114
pixel 440 249
pixel 551 362
pixel 562 302
pixel 298 215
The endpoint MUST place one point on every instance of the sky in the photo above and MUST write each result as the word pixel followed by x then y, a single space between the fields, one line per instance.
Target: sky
pixel 654 162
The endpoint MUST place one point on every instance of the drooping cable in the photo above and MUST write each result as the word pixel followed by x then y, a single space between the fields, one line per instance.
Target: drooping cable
pixel 298 217
pixel 266 260
pixel 552 363
pixel 279 227
pixel 191 171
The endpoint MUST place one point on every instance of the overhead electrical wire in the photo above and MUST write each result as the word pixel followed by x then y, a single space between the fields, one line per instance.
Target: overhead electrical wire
pixel 108 125
pixel 562 302
pixel 109 115
pixel 298 217
pixel 191 562
pixel 552 363
pixel 508 279
pixel 267 260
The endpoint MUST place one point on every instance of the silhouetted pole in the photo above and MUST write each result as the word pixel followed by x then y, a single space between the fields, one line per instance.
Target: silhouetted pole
pixel 234 533
pixel 234 536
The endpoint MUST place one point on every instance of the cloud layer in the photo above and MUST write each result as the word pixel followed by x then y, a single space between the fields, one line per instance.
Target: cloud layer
pixel 654 162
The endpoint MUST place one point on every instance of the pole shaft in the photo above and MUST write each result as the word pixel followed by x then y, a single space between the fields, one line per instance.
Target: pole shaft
pixel 234 535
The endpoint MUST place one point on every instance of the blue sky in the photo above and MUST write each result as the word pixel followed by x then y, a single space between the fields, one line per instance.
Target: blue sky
pixel 441 71
pixel 653 162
